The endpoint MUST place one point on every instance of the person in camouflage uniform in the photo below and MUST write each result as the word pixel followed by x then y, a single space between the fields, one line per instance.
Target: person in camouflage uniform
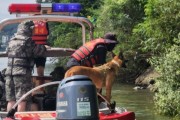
pixel 21 52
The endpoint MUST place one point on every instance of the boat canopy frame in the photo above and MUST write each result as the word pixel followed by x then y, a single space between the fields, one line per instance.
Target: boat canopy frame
pixel 82 21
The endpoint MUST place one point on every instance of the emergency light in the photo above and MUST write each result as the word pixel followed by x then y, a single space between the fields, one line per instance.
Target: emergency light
pixel 23 8
pixel 45 8
pixel 60 7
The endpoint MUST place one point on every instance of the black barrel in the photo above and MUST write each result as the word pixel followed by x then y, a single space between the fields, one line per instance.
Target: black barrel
pixel 77 99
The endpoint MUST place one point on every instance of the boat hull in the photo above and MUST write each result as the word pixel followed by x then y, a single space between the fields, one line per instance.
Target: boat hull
pixel 117 116
pixel 51 115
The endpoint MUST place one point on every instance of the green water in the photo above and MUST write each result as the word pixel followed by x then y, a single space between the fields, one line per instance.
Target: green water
pixel 138 101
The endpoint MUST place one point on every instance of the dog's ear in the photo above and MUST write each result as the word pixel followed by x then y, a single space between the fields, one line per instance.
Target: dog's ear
pixel 112 54
pixel 121 56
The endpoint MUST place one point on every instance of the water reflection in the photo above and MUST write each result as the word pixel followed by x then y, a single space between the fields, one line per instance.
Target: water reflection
pixel 141 101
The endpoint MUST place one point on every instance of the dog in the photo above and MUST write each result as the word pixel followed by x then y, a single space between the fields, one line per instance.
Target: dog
pixel 58 73
pixel 101 76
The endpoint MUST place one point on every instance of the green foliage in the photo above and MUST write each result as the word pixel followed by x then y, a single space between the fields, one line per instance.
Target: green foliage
pixel 65 35
pixel 120 17
pixel 168 97
pixel 160 26
pixel 158 35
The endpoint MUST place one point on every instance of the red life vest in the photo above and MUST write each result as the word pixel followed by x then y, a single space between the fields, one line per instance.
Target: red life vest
pixel 40 32
pixel 84 53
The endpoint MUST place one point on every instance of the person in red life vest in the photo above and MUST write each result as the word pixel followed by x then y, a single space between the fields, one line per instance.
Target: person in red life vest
pixel 93 52
pixel 40 36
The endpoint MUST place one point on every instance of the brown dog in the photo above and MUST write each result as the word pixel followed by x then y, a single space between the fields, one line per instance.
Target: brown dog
pixel 102 76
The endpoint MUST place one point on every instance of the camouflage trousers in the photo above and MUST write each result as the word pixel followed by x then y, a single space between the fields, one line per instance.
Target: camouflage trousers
pixel 17 86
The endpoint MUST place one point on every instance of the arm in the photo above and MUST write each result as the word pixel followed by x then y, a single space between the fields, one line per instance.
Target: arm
pixel 101 52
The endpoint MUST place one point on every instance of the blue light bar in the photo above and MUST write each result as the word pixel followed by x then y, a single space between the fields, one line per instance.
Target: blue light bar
pixel 66 7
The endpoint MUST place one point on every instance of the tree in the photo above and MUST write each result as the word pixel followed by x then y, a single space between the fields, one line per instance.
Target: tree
pixel 120 16
pixel 159 35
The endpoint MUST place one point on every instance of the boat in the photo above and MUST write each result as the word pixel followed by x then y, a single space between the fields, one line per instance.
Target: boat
pixel 104 110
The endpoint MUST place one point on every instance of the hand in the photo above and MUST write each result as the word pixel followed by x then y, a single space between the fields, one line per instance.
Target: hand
pixel 47 47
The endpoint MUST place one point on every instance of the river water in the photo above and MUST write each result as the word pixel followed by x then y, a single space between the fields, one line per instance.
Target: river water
pixel 140 102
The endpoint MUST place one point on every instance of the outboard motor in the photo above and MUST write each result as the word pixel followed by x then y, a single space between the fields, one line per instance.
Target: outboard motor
pixel 77 99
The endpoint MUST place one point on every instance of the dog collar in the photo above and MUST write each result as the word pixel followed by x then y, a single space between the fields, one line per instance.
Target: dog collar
pixel 116 63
